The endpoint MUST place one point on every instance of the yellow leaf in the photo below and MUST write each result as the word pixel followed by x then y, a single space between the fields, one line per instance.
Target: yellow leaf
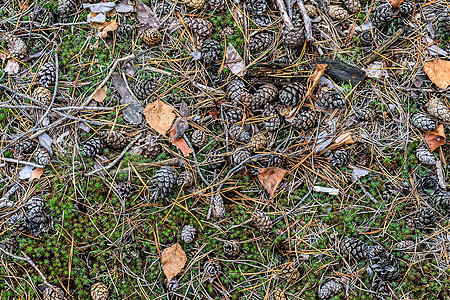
pixel 173 260
pixel 438 71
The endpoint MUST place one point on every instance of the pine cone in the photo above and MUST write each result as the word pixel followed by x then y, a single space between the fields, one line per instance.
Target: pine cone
pixel 93 147
pixel 272 119
pixel 239 133
pixel 235 89
pixel 124 190
pixel 304 120
pixel 151 37
pixel 261 21
pixel 330 289
pixel 211 270
pixel 423 122
pixel 144 88
pixel 396 24
pixel 211 51
pixel 239 155
pixel 151 146
pixel 99 291
pixel 231 248
pixel 427 182
pixel 262 221
pixel 199 138
pixel 265 94
pixel 290 273
pixel 225 32
pixel 196 4
pixel 275 160
pixel 26 147
pixel 217 207
pixel 278 294
pixel 37 218
pixel 173 285
pixel 162 183
pixel 164 8
pixel 294 38
pixel 124 32
pixel 356 249
pixel 340 159
pixel 438 109
pixel 386 266
pixel 337 13
pixel 217 5
pixel 233 115
pixel 18 222
pixel 367 38
pixel 312 11
pixel 47 74
pixel 10 245
pixel 353 6
pixel 53 293
pixel 215 159
pixel 443 25
pixel 114 140
pixel 366 114
pixel 201 28
pixel 425 218
pixel 406 8
pixel 16 46
pixel 329 98
pixel 41 156
pixel 256 7
pixel 382 15
pixel 258 141
pixel 260 41
pixel 425 156
pixel 381 286
pixel 186 179
pixel 249 101
pixel 42 95
pixel 188 234
pixel 130 252
pixel 292 94
pixel 65 8
pixel 441 199
pixel 404 245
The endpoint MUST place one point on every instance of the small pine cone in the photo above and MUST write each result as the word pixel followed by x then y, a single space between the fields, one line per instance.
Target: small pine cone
pixel 258 141
pixel 162 182
pixel 312 11
pixel 366 114
pixel 217 207
pixel 99 291
pixel 337 13
pixel 196 4
pixel 42 95
pixel 16 46
pixel 278 294
pixel 404 245
pixel 353 6
pixel 292 94
pixel 260 41
pixel 173 286
pixel 164 8
pixel 441 199
pixel 330 289
pixel 290 273
pixel 225 33
pixel 438 109
pixel 304 120
pixel 10 245
pixel 26 147
pixel 425 156
pixel 275 160
pixel 423 122
pixel 262 221
pixel 201 28
pixel 114 140
pixel 53 293
pixel 47 74
pixel 256 7
pixel 235 89
pixel 425 218
pixel 427 182
pixel 249 101
pixel 294 38
pixel 272 119
pixel 18 222
pixel 124 190
pixel 217 5
pixel 381 286
pixel 265 94
pixel 185 179
pixel 261 21
pixel 239 155
pixel 93 147
pixel 356 249
pixel 211 52
pixel 367 38
pixel 130 252
pixel 233 115
pixel 382 15
pixel 188 234
pixel 386 266
pixel 65 8
pixel 396 24
pixel 211 270
pixel 215 159
pixel 443 25
pixel 41 156
pixel 199 138
pixel 151 146
pixel 341 158
pixel 151 37
pixel 239 133
pixel 231 248
pixel 38 219
pixel 329 98
pixel 144 88
pixel 406 8
pixel 124 32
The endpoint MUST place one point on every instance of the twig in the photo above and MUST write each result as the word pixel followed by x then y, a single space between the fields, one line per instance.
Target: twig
pixel 306 21
pixel 13 160
pixel 167 162
pixel 440 174
pixel 383 47
pixel 284 14
pixel 28 260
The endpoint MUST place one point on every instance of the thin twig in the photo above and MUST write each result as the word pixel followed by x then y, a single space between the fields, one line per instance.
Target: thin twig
pixel 13 160
pixel 284 14
pixel 306 21
pixel 383 47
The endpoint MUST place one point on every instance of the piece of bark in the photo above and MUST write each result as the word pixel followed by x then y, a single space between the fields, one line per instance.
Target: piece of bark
pixel 342 72
pixel 133 112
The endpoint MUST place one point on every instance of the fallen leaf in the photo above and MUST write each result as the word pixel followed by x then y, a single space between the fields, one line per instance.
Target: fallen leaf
pixel 110 27
pixel 36 173
pixel 322 189
pixel 124 7
pixel 181 125
pixel 100 95
pixel 270 179
pixel 345 138
pixel 315 78
pixel 46 141
pixel 234 61
pixel 396 3
pixel 376 70
pixel 358 172
pixel 146 16
pixel 438 71
pixel 133 112
pixel 12 67
pixel 184 110
pixel 96 20
pixel 173 260
pixel 435 138
pixel 159 116
pixel 100 7
pixel 25 173
pixel 180 144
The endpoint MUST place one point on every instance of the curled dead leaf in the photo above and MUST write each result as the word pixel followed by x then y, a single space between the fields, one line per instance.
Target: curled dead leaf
pixel 184 110
pixel 270 179
pixel 315 77
pixel 146 16
pixel 435 138
pixel 100 94
pixel 173 260
pixel 438 71
pixel 180 144
pixel 159 116
pixel 234 61
pixel 36 173
pixel 181 125
pixel 110 27
pixel 396 3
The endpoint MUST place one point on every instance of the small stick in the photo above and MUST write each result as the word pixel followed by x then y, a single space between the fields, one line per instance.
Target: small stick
pixel 167 162
pixel 383 47
pixel 440 174
pixel 306 21
pixel 13 160
pixel 284 14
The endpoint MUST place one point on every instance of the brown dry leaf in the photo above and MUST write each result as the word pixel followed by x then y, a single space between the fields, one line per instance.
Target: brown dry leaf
pixel 110 27
pixel 100 95
pixel 345 138
pixel 234 61
pixel 36 173
pixel 159 116
pixel 146 16
pixel 180 143
pixel 438 71
pixel 315 77
pixel 435 138
pixel 270 179
pixel 396 3
pixel 173 260
pixel 181 125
